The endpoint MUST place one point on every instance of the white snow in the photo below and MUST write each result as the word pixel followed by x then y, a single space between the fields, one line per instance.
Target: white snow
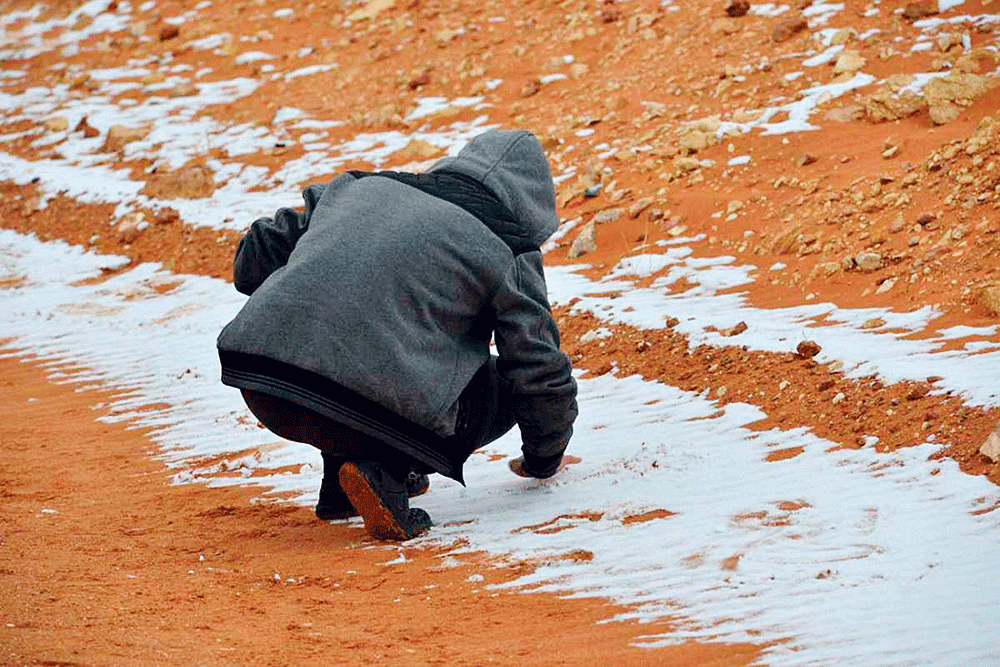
pixel 829 556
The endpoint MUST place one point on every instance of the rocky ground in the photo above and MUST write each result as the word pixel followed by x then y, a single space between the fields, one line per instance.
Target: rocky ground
pixel 849 152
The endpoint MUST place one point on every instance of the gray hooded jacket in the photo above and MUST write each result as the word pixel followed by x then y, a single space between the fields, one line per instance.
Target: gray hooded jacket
pixel 393 293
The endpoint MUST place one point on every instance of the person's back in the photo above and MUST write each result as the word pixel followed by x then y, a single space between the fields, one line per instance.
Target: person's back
pixel 375 307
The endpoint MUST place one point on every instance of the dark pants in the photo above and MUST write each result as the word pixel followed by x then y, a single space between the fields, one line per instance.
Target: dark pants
pixel 485 412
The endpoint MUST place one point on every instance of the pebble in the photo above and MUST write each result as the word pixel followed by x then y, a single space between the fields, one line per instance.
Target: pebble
pixel 130 226
pixel 990 298
pixel 868 261
pixel 886 285
pixel 785 29
pixel 735 330
pixel 873 323
pixel 917 10
pixel 808 349
pixel 593 190
pixel 638 207
pixel 695 141
pixel 806 159
pixel 57 124
pixel 849 61
pixel 917 392
pixel 88 131
pixel 607 215
pixel 120 135
pixel 839 397
pixel 737 8
pixel 584 242
pixel 530 88
pixel 898 224
pixel 991 448
pixel 169 32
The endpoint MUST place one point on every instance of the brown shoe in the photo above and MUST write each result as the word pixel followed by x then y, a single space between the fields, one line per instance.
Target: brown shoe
pixel 333 502
pixel 382 501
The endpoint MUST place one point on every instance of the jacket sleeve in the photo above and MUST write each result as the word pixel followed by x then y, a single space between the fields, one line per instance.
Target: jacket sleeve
pixel 269 241
pixel 539 372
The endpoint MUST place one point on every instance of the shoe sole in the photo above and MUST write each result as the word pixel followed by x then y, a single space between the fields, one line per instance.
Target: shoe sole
pixel 324 514
pixel 379 519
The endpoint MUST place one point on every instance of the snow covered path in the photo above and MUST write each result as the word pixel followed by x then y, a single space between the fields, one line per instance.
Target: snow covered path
pixel 833 555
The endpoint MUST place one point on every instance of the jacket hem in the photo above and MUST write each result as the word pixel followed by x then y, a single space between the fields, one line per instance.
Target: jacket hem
pixel 326 397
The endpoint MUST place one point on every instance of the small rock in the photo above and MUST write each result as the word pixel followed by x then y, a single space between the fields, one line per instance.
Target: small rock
pixel 734 206
pixel 120 135
pixel 638 207
pixel 917 392
pixel 843 36
pixel 593 190
pixel 926 219
pixel 167 216
pixel 192 181
pixel 676 230
pixel 785 29
pixel 808 349
pixel 85 127
pixel 886 285
pixel 418 149
pixel 419 81
pixel 806 159
pixel 370 10
pixel 829 268
pixel 873 323
pixel 838 398
pixel 169 32
pixel 57 124
pixel 990 298
pixel 868 261
pixel 849 61
pixel 991 448
pixel 584 242
pixel 607 215
pixel 735 330
pixel 890 152
pixel 530 87
pixel 130 226
pixel 737 8
pixel 184 90
pixel 694 141
pixel 949 41
pixel 920 9
pixel 844 114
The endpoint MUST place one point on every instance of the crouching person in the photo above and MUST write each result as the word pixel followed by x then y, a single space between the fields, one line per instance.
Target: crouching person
pixel 367 332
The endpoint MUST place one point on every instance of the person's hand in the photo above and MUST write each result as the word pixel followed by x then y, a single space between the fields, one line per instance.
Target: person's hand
pixel 517 465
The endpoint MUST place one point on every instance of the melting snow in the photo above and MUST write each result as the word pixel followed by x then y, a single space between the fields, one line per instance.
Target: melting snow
pixel 832 555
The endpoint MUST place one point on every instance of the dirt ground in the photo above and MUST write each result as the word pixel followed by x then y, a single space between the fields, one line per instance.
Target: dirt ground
pixel 104 563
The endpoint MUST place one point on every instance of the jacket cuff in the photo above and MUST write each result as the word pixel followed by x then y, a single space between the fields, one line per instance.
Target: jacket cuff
pixel 541 467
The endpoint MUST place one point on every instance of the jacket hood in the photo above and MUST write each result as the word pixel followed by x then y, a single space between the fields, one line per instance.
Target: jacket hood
pixel 512 165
